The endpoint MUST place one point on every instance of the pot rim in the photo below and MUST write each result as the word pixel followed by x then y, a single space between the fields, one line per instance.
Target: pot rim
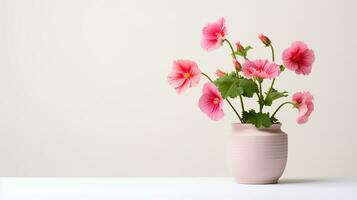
pixel 248 125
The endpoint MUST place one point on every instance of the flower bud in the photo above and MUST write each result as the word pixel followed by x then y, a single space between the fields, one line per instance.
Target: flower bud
pixel 236 64
pixel 264 39
pixel 220 73
pixel 239 47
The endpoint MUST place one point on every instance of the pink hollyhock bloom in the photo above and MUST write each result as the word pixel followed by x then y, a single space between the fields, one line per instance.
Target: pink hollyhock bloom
pixel 264 39
pixel 299 58
pixel 236 64
pixel 220 73
pixel 211 102
pixel 213 35
pixel 185 74
pixel 303 101
pixel 260 69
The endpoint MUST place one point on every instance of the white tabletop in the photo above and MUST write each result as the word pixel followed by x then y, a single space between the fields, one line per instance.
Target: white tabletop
pixel 172 189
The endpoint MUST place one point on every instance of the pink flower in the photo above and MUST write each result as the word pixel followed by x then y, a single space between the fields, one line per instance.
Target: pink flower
pixel 185 74
pixel 213 35
pixel 299 58
pixel 303 101
pixel 264 39
pixel 260 69
pixel 220 73
pixel 211 102
pixel 236 64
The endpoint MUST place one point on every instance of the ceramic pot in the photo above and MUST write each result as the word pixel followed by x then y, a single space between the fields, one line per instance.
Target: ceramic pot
pixel 257 156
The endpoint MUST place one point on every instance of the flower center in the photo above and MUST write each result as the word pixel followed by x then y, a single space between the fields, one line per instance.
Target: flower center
pixel 260 69
pixel 216 100
pixel 186 75
pixel 296 58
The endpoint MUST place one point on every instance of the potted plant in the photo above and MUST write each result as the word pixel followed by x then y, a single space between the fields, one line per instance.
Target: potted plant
pixel 257 148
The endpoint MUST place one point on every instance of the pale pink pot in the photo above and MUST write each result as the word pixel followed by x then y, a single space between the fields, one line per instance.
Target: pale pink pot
pixel 257 156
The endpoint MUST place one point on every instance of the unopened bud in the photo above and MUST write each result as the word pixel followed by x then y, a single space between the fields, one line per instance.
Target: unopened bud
pixel 264 39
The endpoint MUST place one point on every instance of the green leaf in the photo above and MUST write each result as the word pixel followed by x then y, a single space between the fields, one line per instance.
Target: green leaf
pixel 260 120
pixel 273 95
pixel 233 86
pixel 233 74
pixel 228 86
pixel 249 86
pixel 246 49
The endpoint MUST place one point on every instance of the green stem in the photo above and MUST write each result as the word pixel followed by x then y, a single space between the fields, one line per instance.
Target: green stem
pixel 231 47
pixel 288 102
pixel 241 103
pixel 270 89
pixel 234 57
pixel 241 120
pixel 272 52
pixel 209 78
pixel 272 83
pixel 261 103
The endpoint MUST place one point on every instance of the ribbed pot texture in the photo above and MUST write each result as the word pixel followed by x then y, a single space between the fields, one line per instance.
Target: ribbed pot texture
pixel 257 156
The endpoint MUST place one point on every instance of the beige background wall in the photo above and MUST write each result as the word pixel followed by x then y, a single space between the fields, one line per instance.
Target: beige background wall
pixel 83 88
